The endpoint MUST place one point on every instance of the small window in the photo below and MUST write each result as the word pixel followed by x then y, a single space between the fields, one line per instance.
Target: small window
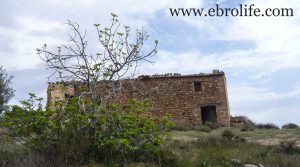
pixel 197 86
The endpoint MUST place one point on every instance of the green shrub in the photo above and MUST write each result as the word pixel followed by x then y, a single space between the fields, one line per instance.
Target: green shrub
pixel 290 126
pixel 128 131
pixel 227 134
pixel 74 134
pixel 246 128
pixel 267 126
pixel 204 129
pixel 64 134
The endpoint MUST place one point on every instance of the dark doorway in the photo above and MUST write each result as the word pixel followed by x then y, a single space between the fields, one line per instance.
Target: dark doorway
pixel 209 114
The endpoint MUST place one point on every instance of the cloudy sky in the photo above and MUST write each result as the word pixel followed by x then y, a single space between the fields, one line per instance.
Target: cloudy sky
pixel 260 56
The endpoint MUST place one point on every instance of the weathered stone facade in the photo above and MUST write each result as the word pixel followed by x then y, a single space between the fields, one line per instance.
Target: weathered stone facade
pixel 190 99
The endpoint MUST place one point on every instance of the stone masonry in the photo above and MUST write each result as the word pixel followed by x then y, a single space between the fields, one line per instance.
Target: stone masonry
pixel 190 99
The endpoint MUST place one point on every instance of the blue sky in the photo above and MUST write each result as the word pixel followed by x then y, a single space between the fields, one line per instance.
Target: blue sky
pixel 260 56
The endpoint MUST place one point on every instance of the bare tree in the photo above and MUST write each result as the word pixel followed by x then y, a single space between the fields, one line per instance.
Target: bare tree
pixel 119 54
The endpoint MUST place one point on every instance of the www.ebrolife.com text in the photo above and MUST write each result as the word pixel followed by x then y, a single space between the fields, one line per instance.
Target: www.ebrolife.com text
pixel 243 10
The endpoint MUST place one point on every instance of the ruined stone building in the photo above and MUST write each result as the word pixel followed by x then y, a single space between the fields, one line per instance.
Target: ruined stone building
pixel 190 99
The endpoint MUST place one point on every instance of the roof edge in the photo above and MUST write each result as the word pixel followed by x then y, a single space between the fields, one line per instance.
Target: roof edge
pixel 159 76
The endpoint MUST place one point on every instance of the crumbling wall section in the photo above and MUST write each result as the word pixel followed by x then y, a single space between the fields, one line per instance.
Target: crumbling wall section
pixel 58 91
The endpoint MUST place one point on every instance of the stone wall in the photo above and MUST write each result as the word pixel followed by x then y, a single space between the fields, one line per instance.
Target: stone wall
pixel 174 94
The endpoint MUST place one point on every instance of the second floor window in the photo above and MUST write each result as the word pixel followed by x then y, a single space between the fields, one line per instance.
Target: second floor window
pixel 197 86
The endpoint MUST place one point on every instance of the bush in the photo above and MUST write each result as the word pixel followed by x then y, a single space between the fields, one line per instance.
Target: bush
pixel 290 126
pixel 227 134
pixel 64 134
pixel 246 128
pixel 267 126
pixel 130 130
pixel 204 129
pixel 74 135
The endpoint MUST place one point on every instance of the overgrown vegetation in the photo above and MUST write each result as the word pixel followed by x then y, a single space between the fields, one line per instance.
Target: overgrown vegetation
pixel 229 153
pixel 69 135
pixel 198 148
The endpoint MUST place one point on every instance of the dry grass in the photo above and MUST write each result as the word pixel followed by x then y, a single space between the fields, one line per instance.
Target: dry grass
pixel 197 148
pixel 262 136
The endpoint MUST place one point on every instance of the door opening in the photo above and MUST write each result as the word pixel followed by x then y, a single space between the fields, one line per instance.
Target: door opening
pixel 208 114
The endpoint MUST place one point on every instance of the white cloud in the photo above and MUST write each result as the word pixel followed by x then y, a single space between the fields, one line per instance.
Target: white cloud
pixel 275 40
pixel 185 63
pixel 257 63
pixel 246 93
pixel 23 42
pixel 32 31
pixel 30 24
pixel 278 115
pixel 263 104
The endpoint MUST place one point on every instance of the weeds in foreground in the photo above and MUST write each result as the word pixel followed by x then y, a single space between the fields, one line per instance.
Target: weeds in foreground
pixel 212 151
pixel 289 147
pixel 228 153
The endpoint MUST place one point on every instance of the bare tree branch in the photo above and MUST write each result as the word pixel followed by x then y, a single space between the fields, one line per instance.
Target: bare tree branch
pixel 119 55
